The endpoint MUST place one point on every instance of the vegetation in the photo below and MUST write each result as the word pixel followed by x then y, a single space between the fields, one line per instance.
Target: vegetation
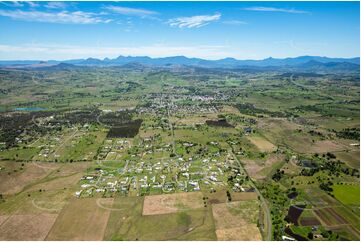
pixel 274 149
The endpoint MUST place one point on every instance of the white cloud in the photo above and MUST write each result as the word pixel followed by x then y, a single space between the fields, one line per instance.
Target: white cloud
pixel 194 21
pixel 13 4
pixel 64 52
pixel 19 4
pixel 234 22
pixel 271 9
pixel 33 4
pixel 131 11
pixel 56 5
pixel 63 17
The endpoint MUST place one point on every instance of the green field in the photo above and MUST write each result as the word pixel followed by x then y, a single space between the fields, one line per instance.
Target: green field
pixel 347 194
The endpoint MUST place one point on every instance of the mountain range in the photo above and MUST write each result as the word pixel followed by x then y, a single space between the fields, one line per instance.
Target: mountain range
pixel 301 62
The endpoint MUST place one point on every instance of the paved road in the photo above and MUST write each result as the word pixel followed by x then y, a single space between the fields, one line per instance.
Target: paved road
pixel 171 127
pixel 267 214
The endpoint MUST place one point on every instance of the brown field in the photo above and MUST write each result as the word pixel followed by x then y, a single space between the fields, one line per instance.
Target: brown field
pixel 230 109
pixel 27 227
pixel 236 220
pixel 171 203
pixel 87 223
pixel 290 134
pixel 352 158
pixel 243 196
pixel 259 169
pixel 3 218
pixel 16 181
pixel 248 232
pixel 330 217
pixel 309 221
pixel 262 144
pixel 65 176
pixel 318 198
pixel 71 168
pixel 324 146
pixel 58 183
pixel 192 120
pixel 276 124
pixel 224 218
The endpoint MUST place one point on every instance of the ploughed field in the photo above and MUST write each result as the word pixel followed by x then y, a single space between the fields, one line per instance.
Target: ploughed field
pixel 178 154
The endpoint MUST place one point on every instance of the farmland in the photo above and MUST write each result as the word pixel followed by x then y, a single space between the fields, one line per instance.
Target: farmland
pixel 163 153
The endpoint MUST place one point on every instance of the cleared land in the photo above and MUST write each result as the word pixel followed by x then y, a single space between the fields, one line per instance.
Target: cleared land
pixel 27 227
pixel 347 194
pixel 236 220
pixel 126 222
pixel 82 219
pixel 262 144
pixel 171 203
pixel 12 181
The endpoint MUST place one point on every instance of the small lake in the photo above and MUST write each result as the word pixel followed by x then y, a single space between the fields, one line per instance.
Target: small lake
pixel 29 109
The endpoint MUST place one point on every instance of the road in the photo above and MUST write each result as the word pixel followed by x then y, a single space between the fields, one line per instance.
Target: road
pixel 63 143
pixel 267 214
pixel 171 125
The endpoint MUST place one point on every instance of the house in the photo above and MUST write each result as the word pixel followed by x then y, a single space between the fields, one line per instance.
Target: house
pixel 247 130
pixel 193 183
pixel 213 178
pixel 77 193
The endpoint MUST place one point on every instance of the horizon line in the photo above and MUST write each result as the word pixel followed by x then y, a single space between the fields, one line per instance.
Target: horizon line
pixel 134 56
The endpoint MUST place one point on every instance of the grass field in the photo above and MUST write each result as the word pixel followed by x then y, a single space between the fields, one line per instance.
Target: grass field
pixel 236 220
pixel 162 204
pixel 126 222
pixel 262 144
pixel 27 227
pixel 16 175
pixel 347 194
pixel 87 223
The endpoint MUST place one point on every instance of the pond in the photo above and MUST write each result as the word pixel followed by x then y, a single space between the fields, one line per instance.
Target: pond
pixel 219 123
pixel 296 236
pixel 29 109
pixel 294 213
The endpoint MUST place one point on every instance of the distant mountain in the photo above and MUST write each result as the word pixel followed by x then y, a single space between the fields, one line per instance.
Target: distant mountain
pixel 57 67
pixel 335 66
pixel 308 61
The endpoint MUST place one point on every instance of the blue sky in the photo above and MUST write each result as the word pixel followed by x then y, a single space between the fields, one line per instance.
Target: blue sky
pixel 211 30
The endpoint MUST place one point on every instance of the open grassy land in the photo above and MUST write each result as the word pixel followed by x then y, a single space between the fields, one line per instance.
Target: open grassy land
pixel 153 153
pixel 347 194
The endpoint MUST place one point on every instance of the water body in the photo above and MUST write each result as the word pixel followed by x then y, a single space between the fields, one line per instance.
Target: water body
pixel 296 236
pixel 29 109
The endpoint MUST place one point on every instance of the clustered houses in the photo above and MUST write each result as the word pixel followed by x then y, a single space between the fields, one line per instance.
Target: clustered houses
pixel 182 103
pixel 141 173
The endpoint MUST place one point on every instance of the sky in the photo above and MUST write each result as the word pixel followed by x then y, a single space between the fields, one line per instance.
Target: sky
pixel 209 30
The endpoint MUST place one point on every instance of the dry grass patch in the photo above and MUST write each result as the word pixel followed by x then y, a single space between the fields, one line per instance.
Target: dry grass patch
pixel 58 183
pixel 3 218
pixel 27 227
pixel 235 220
pixel 82 219
pixel 262 144
pixel 196 119
pixel 16 181
pixel 171 203
pixel 243 196
pixel 352 158
pixel 248 232
pixel 324 146
pixel 259 169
